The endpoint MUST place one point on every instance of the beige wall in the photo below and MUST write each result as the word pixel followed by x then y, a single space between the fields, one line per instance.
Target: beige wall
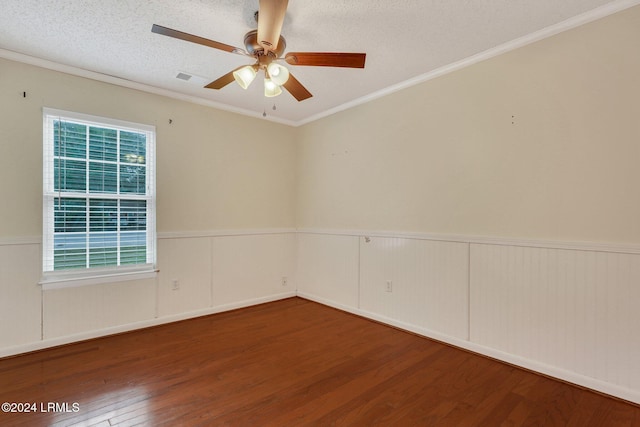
pixel 216 170
pixel 542 142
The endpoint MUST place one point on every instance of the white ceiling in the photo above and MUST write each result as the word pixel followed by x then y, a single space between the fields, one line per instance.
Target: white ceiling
pixel 406 41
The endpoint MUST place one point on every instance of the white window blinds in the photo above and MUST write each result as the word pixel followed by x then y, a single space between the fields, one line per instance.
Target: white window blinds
pixel 99 196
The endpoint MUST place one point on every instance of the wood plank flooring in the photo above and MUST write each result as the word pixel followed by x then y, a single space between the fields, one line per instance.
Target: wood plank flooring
pixel 288 363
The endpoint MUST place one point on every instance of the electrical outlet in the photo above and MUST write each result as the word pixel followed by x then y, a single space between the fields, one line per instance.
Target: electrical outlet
pixel 389 287
pixel 175 285
pixel 284 280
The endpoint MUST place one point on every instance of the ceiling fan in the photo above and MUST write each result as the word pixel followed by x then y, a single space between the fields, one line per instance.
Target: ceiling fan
pixel 266 46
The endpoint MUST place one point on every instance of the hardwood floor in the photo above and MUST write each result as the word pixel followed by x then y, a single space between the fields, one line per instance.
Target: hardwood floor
pixel 288 363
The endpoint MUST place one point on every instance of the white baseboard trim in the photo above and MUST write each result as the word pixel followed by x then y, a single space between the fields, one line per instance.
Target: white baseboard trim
pixel 254 301
pixel 551 371
pixel 69 339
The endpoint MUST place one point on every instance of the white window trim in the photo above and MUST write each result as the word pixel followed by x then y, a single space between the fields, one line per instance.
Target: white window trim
pixel 92 276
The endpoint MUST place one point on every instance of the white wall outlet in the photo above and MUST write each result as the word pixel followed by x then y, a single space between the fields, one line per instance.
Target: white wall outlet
pixel 389 287
pixel 175 285
pixel 285 280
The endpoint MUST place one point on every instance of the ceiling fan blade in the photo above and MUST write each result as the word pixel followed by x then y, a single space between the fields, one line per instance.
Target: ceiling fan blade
pixel 270 19
pixel 158 29
pixel 295 88
pixel 326 59
pixel 222 81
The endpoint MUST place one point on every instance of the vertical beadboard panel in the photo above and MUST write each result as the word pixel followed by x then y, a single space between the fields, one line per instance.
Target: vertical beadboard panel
pixel 328 268
pixel 188 261
pixel 86 309
pixel 250 267
pixel 429 282
pixel 623 320
pixel 571 309
pixel 20 299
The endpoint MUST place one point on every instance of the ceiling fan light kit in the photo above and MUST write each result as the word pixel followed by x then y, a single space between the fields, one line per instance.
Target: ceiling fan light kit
pixel 271 89
pixel 266 46
pixel 244 76
pixel 278 74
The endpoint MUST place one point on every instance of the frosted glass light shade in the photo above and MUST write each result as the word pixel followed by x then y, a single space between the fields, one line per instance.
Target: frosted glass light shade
pixel 244 76
pixel 271 89
pixel 278 74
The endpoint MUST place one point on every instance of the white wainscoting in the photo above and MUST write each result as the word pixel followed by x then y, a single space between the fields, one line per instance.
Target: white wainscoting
pixel 575 310
pixel 72 311
pixel 564 309
pixel 20 295
pixel 250 268
pixel 429 282
pixel 328 269
pixel 213 272
pixel 191 274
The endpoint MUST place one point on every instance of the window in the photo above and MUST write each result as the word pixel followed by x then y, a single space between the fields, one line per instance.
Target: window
pixel 99 198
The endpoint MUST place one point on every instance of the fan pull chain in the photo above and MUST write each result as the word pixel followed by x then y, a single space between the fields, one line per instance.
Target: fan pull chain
pixel 264 109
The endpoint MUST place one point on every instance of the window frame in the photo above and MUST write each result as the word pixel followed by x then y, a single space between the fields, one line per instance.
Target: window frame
pixel 53 279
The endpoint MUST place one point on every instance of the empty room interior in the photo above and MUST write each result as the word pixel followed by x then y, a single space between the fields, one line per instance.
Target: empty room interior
pixel 445 234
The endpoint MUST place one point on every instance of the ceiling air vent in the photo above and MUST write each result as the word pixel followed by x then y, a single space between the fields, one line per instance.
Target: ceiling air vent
pixel 193 79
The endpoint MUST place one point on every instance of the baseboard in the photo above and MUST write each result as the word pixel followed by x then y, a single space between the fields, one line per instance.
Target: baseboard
pixel 69 339
pixel 613 390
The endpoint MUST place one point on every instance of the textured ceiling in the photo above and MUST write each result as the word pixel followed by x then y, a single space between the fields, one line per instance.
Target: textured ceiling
pixel 404 41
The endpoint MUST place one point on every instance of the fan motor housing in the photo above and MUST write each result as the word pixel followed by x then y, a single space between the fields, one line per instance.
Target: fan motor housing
pixel 254 48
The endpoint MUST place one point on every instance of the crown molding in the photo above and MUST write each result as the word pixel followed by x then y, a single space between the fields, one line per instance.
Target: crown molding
pixel 576 21
pixel 130 84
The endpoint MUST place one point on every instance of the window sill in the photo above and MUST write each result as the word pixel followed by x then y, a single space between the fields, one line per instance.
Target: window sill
pixel 72 281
